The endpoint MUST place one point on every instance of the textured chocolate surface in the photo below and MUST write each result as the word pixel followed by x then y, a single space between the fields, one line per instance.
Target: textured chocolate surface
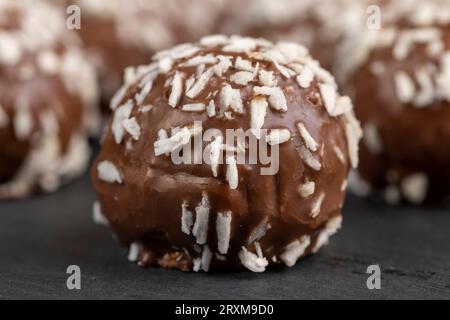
pixel 47 100
pixel 146 198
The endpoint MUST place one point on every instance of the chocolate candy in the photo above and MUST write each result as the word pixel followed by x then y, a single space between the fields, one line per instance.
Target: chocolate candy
pixel 180 198
pixel 47 100
pixel 401 94
pixel 121 33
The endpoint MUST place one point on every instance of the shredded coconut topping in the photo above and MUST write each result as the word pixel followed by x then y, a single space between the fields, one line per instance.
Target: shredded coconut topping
pixel 108 172
pixel 310 143
pixel 278 136
pixel 317 205
pixel 187 219
pixel 306 189
pixel 232 172
pixel 415 187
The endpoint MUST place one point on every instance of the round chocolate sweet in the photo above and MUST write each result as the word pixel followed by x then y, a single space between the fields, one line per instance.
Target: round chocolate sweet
pixel 47 100
pixel 401 94
pixel 179 187
pixel 121 33
pixel 327 27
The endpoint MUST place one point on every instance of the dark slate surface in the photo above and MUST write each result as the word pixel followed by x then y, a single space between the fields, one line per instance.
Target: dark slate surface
pixel 41 236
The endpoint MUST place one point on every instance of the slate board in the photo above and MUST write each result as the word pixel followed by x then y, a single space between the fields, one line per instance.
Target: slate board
pixel 40 237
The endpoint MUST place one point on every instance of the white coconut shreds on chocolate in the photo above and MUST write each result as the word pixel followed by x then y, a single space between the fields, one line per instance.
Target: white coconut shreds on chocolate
pixel 48 97
pixel 211 209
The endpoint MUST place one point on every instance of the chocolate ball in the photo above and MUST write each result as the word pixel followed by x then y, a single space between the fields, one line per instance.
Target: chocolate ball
pixel 401 94
pixel 47 100
pixel 182 189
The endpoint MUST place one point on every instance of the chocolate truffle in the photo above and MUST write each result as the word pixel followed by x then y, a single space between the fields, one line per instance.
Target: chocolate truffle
pixel 47 100
pixel 121 33
pixel 401 94
pixel 223 210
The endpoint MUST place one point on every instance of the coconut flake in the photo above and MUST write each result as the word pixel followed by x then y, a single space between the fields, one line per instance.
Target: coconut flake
pixel 426 94
pixel 108 172
pixel 200 229
pixel 132 127
pixel 177 89
pixel 97 215
pixel 194 107
pixel 343 105
pixel 145 91
pixel 372 138
pixel 165 64
pixel 278 136
pixel 177 140
pixel 317 205
pixel 123 112
pixel 258 112
pixel 231 98
pixel 133 252
pixel 353 133
pixel 415 187
pixel 118 97
pixel 187 219
pixel 243 64
pixel 404 87
pixel 328 94
pixel 200 84
pixel 23 123
pixel 309 159
pixel 197 264
pixel 305 78
pixel 242 77
pixel 306 189
pixel 260 231
pixel 223 228
pixel 332 226
pixel 215 153
pixel 214 40
pixel 277 98
pixel 4 120
pixel 286 72
pixel 267 79
pixel 223 65
pixel 295 250
pixel 310 143
pixel 206 258
pixel 339 154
